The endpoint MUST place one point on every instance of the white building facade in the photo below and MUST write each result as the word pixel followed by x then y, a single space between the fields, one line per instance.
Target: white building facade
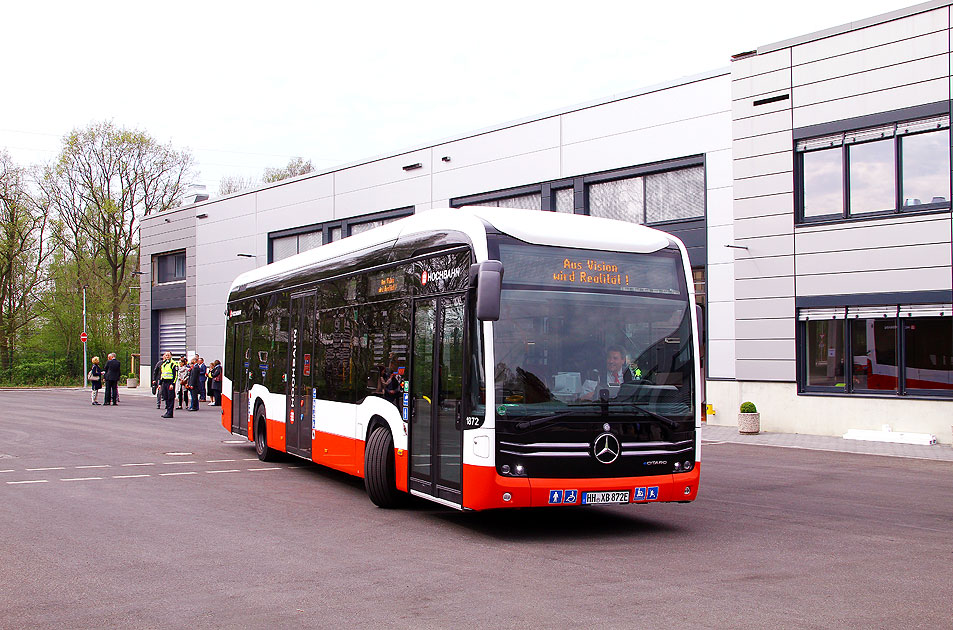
pixel 810 182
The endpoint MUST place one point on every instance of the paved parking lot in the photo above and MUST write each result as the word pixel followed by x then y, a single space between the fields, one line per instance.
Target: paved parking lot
pixel 116 518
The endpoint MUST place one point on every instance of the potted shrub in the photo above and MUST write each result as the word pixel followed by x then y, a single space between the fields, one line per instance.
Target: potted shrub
pixel 749 420
pixel 132 380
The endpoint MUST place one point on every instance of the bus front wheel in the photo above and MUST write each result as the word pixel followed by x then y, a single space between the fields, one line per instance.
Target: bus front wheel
pixel 265 453
pixel 380 479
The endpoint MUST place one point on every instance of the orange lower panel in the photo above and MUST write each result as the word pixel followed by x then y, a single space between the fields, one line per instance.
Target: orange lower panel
pixel 275 433
pixel 227 413
pixel 338 452
pixel 484 489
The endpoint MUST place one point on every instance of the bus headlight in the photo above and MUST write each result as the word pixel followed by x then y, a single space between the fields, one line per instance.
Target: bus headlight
pixel 678 467
pixel 688 465
pixel 519 469
pixel 505 469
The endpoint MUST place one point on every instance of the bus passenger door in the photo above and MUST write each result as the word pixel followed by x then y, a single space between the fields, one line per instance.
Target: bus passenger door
pixel 241 351
pixel 436 440
pixel 298 427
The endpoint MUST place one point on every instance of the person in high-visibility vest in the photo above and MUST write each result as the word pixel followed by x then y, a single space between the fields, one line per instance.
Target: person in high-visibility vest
pixel 167 372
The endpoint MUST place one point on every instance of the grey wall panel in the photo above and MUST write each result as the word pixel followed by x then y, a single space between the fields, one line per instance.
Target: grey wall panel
pixel 491 147
pixel 911 72
pixel 927 45
pixel 766 144
pixel 923 279
pixel 872 36
pixel 765 370
pixel 907 257
pixel 766 246
pixel 388 170
pixel 883 100
pixel 297 192
pixel 761 348
pixel 782 203
pixel 760 329
pixel 764 287
pixel 769 267
pixel 772 163
pixel 760 125
pixel 874 234
pixel 757 308
pixel 166 296
pixel 770 103
pixel 760 64
pixel 771 225
pixel 761 85
pixel 762 185
pixel 506 172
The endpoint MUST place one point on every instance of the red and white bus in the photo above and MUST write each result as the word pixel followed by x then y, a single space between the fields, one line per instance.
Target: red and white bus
pixel 464 356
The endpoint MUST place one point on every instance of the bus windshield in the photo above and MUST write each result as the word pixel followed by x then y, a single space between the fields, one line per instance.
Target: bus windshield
pixel 618 337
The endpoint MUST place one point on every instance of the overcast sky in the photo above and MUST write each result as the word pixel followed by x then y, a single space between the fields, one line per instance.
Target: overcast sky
pixel 250 85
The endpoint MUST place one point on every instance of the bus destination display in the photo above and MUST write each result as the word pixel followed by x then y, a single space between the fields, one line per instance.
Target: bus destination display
pixel 642 273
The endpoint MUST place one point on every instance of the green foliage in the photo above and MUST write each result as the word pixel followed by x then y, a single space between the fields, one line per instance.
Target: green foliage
pixel 296 166
pixel 748 407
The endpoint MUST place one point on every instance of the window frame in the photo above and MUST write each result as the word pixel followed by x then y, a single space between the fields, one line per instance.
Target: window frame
pixel 344 225
pixel 839 134
pixel 902 390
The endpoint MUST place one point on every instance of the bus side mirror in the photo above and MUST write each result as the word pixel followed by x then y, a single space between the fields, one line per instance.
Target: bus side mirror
pixel 488 276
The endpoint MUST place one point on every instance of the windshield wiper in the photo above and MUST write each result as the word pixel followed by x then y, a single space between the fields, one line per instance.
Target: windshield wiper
pixel 529 424
pixel 667 421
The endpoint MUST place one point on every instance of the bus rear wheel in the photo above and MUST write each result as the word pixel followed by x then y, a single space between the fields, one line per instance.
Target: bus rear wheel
pixel 380 476
pixel 265 453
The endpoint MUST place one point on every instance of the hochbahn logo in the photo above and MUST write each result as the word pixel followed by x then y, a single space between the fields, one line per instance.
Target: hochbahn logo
pixel 438 276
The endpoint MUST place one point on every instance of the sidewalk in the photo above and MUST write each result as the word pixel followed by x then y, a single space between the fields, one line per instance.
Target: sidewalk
pixel 730 435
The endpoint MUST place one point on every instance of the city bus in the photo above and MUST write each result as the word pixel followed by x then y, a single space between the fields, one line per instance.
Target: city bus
pixel 464 355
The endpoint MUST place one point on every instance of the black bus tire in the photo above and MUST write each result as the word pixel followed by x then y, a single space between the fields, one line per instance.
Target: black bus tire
pixel 380 476
pixel 265 453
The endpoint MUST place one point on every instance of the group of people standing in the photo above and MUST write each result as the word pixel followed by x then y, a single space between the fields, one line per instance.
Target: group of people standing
pixel 105 377
pixel 191 382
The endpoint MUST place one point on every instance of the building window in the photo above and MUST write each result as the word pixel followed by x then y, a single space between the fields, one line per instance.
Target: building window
pixel 651 194
pixel 296 240
pixel 170 268
pixel 878 170
pixel 286 246
pixel 905 350
pixel 533 201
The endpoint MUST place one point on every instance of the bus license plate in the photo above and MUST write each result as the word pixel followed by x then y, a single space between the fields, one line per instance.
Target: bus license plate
pixel 621 496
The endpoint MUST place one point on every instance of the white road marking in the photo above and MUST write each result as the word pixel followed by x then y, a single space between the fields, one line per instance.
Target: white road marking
pixel 9 470
pixel 221 471
pixel 52 468
pixel 97 466
pixel 129 476
pixel 13 483
pixel 178 473
pixel 250 459
pixel 209 461
pixel 271 468
pixel 167 463
pixel 146 464
pixel 80 478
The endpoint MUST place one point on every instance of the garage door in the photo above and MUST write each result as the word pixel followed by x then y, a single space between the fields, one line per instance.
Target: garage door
pixel 172 331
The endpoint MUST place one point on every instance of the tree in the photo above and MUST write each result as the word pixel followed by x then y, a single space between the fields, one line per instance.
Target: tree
pixel 234 183
pixel 296 166
pixel 104 181
pixel 24 250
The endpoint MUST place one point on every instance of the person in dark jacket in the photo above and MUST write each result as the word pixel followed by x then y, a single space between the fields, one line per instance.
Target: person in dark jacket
pixel 203 377
pixel 111 378
pixel 193 387
pixel 156 377
pixel 215 381
pixel 95 380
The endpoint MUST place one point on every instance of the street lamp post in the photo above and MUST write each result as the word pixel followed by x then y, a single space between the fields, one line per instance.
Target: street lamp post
pixel 84 336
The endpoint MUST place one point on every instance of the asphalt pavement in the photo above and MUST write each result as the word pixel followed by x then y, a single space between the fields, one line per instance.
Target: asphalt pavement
pixel 116 518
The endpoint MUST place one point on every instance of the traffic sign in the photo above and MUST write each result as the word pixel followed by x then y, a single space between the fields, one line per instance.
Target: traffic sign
pixel 83 337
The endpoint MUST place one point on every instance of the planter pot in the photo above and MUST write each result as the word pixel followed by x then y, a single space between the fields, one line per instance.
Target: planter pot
pixel 749 423
pixel 132 382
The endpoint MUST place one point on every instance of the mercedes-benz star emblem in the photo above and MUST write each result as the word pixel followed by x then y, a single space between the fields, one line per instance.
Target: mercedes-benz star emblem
pixel 606 448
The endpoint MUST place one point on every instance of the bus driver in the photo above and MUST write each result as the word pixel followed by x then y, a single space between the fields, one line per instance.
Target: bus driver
pixel 617 373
